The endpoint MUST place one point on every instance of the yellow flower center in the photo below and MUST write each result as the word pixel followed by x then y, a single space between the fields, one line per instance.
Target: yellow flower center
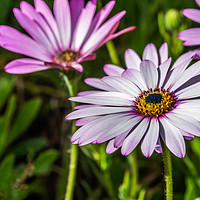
pixel 67 57
pixel 154 103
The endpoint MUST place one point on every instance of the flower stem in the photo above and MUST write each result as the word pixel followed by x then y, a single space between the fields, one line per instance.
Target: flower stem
pixel 74 148
pixel 113 53
pixel 168 172
pixel 134 174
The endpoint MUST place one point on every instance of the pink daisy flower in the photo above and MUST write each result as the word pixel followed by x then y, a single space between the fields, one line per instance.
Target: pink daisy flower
pixel 146 103
pixel 62 40
pixel 191 37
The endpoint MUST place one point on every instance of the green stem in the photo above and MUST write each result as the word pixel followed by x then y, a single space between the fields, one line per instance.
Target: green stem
pixel 168 172
pixel 73 149
pixel 134 174
pixel 113 53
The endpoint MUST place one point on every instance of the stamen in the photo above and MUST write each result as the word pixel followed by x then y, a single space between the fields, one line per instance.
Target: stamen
pixel 154 103
pixel 67 57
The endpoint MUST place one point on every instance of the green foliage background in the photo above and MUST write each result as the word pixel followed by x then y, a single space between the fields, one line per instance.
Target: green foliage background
pixel 35 137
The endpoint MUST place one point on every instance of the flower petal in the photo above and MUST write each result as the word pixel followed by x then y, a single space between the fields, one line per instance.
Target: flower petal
pixel 150 53
pixel 134 137
pixel 172 137
pixel 98 83
pixel 77 67
pixel 15 41
pixel 105 98
pixel 149 73
pixel 132 59
pixel 184 122
pixel 63 19
pixel 93 111
pixel 113 70
pixel 122 85
pixel 110 147
pixel 25 65
pixel 163 52
pixel 135 77
pixel 192 14
pixel 150 139
pixel 83 25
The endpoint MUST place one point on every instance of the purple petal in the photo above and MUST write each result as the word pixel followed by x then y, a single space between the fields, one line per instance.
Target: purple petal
pixel 184 122
pixel 122 127
pixel 83 25
pixel 63 19
pixel 187 135
pixel 25 65
pixel 122 85
pixel 98 83
pixel 192 14
pixel 189 92
pixel 93 111
pixel 172 137
pixel 189 73
pixel 163 52
pixel 113 70
pixel 135 137
pixel 158 147
pixel 110 147
pixel 163 69
pixel 149 73
pixel 150 53
pixel 84 93
pixel 106 98
pixel 135 77
pixel 198 2
pixel 150 139
pixel 83 121
pixel 120 139
pixel 15 41
pixel 132 59
pixel 184 58
pixel 190 36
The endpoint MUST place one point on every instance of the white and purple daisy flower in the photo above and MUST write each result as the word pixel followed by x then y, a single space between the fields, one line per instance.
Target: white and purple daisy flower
pixel 62 40
pixel 148 102
pixel 191 37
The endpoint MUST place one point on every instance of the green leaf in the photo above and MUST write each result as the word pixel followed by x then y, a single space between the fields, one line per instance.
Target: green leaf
pixel 3 134
pixel 45 161
pixel 6 87
pixel 26 115
pixel 34 144
pixel 6 168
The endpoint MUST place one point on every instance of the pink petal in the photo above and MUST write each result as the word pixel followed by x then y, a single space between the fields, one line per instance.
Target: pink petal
pixel 25 65
pixel 15 41
pixel 63 19
pixel 83 25
pixel 110 147
pixel 192 14
pixel 77 67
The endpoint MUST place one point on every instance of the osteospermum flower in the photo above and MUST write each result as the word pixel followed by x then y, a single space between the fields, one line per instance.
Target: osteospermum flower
pixel 62 40
pixel 147 103
pixel 191 36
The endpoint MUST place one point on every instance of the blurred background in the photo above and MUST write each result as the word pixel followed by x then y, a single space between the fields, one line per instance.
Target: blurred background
pixel 35 137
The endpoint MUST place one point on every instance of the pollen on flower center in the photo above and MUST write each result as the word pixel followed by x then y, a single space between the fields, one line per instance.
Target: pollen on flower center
pixel 66 57
pixel 154 103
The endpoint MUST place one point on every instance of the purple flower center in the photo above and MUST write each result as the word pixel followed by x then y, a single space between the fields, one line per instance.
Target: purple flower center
pixel 154 98
pixel 154 103
pixel 66 57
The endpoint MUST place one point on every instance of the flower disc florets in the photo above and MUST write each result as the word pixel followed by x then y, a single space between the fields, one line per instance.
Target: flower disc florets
pixel 154 103
pixel 67 57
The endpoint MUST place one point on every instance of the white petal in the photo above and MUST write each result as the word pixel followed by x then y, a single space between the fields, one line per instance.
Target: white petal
pixel 163 52
pixel 132 59
pixel 113 70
